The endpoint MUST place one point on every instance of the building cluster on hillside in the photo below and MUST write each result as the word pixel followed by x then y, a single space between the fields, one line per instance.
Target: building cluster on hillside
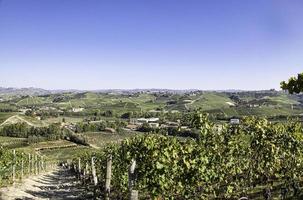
pixel 153 122
pixel 135 124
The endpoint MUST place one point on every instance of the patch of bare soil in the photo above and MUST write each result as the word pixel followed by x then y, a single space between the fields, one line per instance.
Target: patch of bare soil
pixel 59 184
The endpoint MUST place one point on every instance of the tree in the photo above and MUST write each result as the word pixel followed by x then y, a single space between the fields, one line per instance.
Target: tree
pixel 294 84
pixel 127 115
pixel 145 127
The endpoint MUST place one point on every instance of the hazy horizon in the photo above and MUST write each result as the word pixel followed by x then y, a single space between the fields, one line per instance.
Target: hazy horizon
pixel 125 89
pixel 95 45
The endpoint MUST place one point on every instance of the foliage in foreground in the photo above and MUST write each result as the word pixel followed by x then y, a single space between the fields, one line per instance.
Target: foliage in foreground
pixel 224 162
pixel 7 160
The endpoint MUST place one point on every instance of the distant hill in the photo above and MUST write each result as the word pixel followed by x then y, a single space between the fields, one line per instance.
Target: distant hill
pixel 31 91
pixel 222 104
pixel 23 91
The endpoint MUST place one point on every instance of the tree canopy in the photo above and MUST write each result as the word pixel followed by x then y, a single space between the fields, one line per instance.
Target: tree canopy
pixel 294 84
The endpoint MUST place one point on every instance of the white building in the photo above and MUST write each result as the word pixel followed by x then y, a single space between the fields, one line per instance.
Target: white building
pixel 234 121
pixel 148 120
pixel 78 110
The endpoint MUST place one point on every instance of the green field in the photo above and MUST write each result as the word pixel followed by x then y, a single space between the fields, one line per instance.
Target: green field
pixel 29 101
pixel 64 153
pixel 60 119
pixel 20 118
pixel 11 142
pixel 61 150
pixel 101 139
pixel 210 101
pixel 269 103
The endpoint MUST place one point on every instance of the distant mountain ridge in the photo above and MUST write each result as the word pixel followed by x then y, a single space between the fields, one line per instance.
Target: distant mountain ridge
pixel 32 91
pixel 23 91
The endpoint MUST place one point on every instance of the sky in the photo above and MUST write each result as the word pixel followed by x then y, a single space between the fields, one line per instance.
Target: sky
pixel 174 44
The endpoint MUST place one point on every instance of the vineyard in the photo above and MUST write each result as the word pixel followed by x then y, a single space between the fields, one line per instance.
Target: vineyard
pixel 16 165
pixel 9 142
pixel 256 159
pixel 151 100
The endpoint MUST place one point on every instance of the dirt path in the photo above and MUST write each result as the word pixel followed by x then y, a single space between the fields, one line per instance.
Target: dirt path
pixel 17 119
pixel 59 184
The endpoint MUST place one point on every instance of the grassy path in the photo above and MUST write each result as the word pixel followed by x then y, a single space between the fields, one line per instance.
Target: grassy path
pixel 22 119
pixel 15 118
pixel 59 184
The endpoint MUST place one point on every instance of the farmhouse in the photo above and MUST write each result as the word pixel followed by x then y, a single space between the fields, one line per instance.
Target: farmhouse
pixel 234 121
pixel 153 122
pixel 78 110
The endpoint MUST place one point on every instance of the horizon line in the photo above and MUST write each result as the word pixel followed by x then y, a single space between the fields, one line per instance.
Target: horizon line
pixel 126 89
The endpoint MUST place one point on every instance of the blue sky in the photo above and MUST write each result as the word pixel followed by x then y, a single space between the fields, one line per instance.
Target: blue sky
pixel 177 44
